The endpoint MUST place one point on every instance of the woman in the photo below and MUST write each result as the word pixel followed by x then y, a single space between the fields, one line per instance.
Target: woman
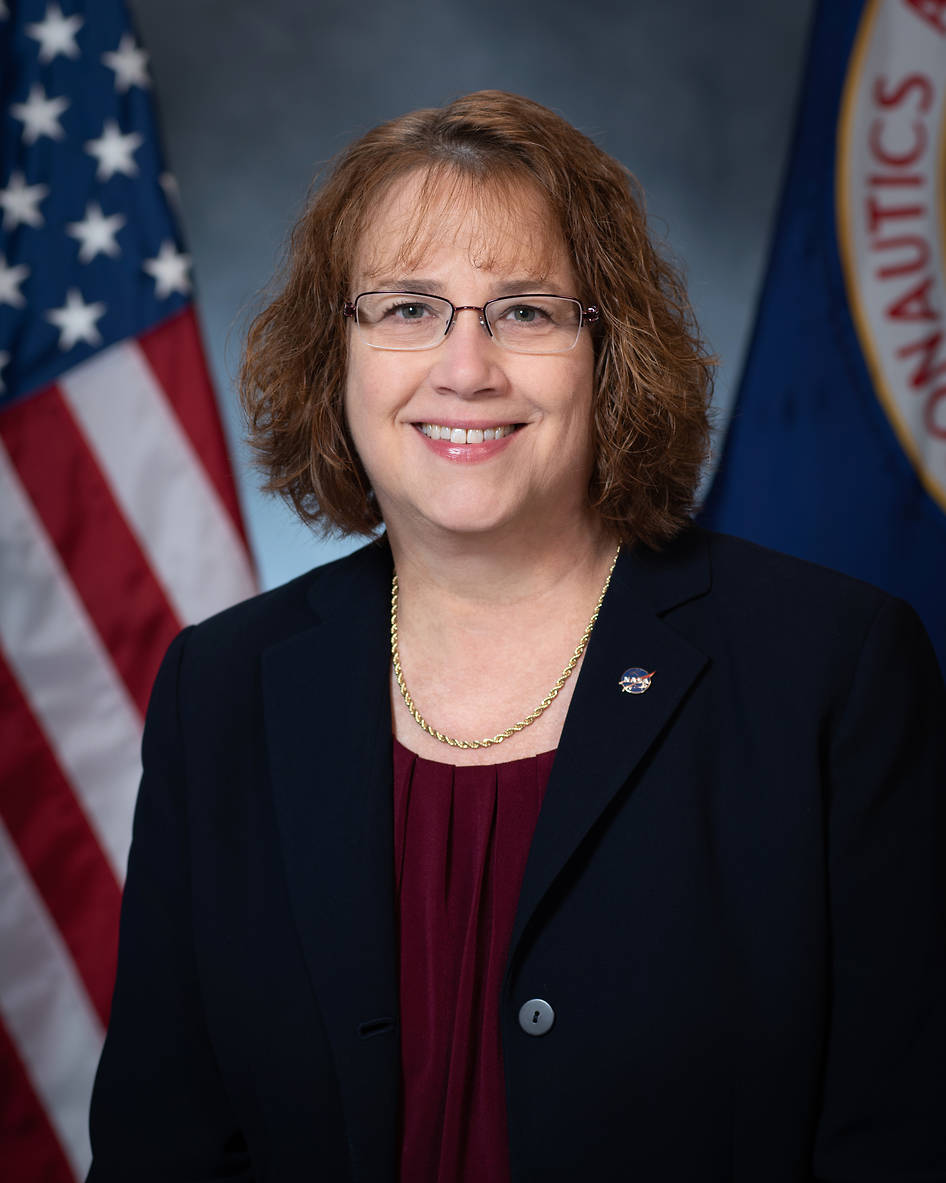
pixel 547 836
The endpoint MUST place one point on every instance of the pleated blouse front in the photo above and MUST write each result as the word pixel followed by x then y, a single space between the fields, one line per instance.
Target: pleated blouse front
pixel 461 839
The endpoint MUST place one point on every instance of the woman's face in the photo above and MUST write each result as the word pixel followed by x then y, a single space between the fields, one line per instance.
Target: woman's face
pixel 535 478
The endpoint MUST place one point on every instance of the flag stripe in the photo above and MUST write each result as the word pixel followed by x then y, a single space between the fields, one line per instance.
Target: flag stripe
pixel 65 673
pixel 195 551
pixel 175 354
pixel 101 554
pixel 57 845
pixel 45 1009
pixel 31 1150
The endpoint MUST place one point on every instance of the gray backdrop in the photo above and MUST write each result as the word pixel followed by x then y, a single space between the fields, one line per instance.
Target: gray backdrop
pixel 254 95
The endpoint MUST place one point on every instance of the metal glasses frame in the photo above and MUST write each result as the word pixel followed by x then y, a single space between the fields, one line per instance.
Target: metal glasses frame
pixel 587 315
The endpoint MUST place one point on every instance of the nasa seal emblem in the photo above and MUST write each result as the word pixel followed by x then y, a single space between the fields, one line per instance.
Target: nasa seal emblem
pixel 890 144
pixel 635 680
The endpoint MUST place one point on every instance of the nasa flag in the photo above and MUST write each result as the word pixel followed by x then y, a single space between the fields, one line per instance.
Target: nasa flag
pixel 837 447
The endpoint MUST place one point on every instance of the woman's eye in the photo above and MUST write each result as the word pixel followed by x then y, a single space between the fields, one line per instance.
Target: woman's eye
pixel 409 311
pixel 525 314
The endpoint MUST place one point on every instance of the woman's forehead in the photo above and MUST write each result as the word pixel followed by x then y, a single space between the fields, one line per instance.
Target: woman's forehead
pixel 504 227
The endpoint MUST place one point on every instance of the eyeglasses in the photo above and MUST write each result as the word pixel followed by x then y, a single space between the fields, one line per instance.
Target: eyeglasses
pixel 531 323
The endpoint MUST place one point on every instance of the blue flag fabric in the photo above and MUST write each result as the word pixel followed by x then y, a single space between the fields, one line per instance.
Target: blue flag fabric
pixel 836 451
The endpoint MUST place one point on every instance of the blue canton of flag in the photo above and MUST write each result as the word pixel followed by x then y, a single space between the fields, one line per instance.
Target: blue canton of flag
pixel 89 252
pixel 837 447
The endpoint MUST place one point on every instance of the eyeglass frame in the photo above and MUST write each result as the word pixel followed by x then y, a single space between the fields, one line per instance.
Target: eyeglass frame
pixel 589 316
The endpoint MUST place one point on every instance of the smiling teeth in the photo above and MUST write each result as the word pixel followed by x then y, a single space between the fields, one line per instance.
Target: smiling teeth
pixel 460 435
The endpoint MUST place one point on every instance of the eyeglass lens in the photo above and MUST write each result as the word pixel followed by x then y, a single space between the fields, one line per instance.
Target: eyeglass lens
pixel 524 324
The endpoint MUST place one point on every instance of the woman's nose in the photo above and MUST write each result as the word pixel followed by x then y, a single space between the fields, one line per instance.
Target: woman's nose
pixel 468 359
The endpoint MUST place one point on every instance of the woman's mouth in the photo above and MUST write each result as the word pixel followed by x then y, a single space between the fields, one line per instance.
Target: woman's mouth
pixel 467 435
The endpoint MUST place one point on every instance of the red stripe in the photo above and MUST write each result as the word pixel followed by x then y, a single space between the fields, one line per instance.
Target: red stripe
pixel 105 562
pixel 31 1150
pixel 176 357
pixel 57 845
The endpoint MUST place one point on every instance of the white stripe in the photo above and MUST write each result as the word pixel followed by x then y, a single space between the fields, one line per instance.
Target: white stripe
pixel 65 672
pixel 45 1009
pixel 159 482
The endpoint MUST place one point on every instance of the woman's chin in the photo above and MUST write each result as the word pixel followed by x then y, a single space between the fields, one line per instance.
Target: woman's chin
pixel 487 514
pixel 472 526
pixel 466 520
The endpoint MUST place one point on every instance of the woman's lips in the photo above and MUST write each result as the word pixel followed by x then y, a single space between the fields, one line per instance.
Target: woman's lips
pixel 466 435
pixel 466 444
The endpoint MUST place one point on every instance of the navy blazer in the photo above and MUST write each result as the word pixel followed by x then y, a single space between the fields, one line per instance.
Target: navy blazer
pixel 734 899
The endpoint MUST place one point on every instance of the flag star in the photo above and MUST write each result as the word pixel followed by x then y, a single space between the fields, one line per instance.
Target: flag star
pixel 56 34
pixel 96 233
pixel 172 191
pixel 169 270
pixel 76 320
pixel 130 64
pixel 4 357
pixel 19 202
pixel 10 279
pixel 40 115
pixel 114 151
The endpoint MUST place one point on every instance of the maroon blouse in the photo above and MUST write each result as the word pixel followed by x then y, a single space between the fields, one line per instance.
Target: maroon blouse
pixel 461 837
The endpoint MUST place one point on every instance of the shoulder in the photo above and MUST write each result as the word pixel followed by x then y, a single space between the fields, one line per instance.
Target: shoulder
pixel 757 586
pixel 793 627
pixel 273 616
pixel 768 589
pixel 222 654
pixel 739 566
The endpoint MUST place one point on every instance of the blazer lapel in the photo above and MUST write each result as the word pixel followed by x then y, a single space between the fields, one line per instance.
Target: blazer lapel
pixel 328 731
pixel 607 732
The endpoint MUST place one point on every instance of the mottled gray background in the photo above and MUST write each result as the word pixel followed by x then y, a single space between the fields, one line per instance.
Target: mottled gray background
pixel 254 95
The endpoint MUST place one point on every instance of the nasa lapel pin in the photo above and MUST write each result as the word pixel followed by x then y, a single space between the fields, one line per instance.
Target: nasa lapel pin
pixel 636 680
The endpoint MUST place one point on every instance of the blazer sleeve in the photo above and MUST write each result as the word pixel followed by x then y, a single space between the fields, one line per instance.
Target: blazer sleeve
pixel 159 1107
pixel 883 1115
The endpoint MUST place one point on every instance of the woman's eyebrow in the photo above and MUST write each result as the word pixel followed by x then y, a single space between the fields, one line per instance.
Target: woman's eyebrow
pixel 524 284
pixel 410 283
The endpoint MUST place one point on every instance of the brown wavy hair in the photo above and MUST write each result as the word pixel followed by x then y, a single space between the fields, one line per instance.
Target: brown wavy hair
pixel 653 376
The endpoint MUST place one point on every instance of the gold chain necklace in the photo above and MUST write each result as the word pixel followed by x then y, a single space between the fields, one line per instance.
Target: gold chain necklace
pixel 523 723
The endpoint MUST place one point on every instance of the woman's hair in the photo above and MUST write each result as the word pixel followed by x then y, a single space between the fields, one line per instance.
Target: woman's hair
pixel 652 374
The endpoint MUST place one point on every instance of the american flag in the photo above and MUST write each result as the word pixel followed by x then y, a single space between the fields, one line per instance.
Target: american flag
pixel 118 524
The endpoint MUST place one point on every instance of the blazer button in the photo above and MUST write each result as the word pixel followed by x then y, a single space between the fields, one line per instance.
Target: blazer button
pixel 536 1016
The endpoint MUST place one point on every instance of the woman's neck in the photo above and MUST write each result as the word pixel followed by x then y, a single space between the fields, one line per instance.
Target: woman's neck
pixel 484 632
pixel 461 575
